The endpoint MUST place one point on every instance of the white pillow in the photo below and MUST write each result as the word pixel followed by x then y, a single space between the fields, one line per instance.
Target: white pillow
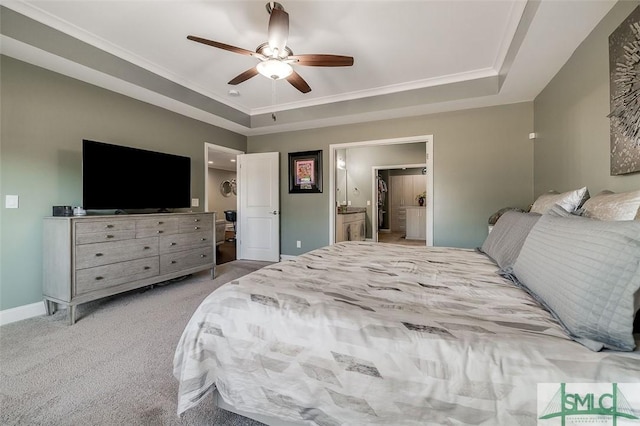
pixel 570 201
pixel 608 205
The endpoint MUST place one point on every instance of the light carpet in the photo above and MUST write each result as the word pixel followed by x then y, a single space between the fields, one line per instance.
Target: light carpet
pixel 114 366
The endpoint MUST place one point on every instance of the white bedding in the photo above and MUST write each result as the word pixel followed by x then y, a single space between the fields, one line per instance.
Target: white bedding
pixel 367 333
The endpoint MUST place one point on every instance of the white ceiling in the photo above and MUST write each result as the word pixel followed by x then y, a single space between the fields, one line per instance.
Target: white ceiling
pixel 476 52
pixel 221 160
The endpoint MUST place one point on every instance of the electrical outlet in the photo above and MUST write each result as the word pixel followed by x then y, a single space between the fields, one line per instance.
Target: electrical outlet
pixel 368 202
pixel 298 244
pixel 195 202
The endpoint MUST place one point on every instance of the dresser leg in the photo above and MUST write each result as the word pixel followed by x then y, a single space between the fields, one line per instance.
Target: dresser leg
pixel 213 272
pixel 72 314
pixel 49 307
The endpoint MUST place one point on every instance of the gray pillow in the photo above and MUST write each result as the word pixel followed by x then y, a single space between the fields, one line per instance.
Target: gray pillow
pixel 507 236
pixel 586 272
pixel 558 210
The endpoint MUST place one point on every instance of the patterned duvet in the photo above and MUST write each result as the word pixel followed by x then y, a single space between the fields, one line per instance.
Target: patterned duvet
pixel 365 333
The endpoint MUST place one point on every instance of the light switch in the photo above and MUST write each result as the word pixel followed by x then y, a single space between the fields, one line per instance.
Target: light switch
pixel 11 202
pixel 195 202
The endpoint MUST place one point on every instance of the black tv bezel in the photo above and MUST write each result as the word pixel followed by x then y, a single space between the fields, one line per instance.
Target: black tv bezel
pixel 144 206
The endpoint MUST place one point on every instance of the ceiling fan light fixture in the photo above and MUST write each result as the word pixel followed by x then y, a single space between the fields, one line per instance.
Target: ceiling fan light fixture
pixel 275 69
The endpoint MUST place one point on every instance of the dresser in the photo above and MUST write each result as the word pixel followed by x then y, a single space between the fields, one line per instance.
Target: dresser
pixel 91 257
pixel 350 226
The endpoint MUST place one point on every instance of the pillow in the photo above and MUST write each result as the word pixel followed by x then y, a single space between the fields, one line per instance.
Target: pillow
pixel 559 211
pixel 570 200
pixel 587 273
pixel 608 205
pixel 507 236
pixel 494 217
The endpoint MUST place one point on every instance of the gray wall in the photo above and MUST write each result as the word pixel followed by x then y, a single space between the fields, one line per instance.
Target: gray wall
pixel 483 161
pixel 359 166
pixel 218 202
pixel 572 148
pixel 45 116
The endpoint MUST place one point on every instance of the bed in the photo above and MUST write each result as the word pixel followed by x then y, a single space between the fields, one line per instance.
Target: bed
pixel 367 333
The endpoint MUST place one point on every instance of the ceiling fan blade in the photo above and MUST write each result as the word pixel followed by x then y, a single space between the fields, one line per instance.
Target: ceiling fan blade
pixel 223 46
pixel 298 82
pixel 278 30
pixel 251 72
pixel 320 60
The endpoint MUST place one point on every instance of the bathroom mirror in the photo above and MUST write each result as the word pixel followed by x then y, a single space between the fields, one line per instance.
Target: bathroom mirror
pixel 341 177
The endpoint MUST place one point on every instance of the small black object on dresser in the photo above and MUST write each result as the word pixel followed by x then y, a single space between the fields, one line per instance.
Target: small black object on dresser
pixel 62 211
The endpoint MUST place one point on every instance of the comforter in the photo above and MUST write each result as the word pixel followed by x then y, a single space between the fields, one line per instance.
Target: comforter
pixel 366 333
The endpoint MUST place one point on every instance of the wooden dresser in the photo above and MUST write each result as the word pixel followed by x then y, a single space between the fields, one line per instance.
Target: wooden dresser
pixel 91 257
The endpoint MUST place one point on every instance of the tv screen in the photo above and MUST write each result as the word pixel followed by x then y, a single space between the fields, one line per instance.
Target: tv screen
pixel 121 178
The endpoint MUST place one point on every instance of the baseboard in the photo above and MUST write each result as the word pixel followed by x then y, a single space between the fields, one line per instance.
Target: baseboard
pixel 384 230
pixel 22 312
pixel 287 257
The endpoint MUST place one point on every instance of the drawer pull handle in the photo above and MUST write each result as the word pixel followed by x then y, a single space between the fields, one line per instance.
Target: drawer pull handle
pixel 109 236
pixel 98 254
pixel 173 262
pixel 109 226
pixel 197 220
pixel 196 227
pixel 146 247
pixel 146 268
pixel 203 239
pixel 160 232
pixel 172 244
pixel 99 278
pixel 203 255
pixel 160 223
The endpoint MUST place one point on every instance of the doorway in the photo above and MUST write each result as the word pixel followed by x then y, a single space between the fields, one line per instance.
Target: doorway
pixel 399 217
pixel 335 200
pixel 221 196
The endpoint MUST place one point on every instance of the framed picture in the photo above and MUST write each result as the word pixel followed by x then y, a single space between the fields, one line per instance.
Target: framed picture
pixel 624 93
pixel 305 172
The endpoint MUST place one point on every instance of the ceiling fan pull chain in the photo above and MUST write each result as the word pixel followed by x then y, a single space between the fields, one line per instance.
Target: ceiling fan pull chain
pixel 273 98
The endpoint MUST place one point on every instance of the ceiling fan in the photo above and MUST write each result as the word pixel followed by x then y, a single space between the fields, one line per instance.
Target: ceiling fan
pixel 276 58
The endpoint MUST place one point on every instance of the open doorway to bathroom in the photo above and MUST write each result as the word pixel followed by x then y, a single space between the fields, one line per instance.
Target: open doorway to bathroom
pixel 353 187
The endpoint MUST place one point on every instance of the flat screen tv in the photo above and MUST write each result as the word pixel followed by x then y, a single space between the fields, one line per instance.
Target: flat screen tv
pixel 124 178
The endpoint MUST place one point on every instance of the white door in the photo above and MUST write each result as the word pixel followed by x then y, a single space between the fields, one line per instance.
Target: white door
pixel 258 234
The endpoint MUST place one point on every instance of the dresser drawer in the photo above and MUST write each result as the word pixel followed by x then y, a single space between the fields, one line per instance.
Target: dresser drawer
pixel 195 223
pixel 92 279
pixel 179 242
pixel 96 254
pixel 156 227
pixel 107 235
pixel 172 262
pixel 90 227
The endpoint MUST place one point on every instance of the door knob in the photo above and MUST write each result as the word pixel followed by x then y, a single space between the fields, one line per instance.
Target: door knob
pixel 275 212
